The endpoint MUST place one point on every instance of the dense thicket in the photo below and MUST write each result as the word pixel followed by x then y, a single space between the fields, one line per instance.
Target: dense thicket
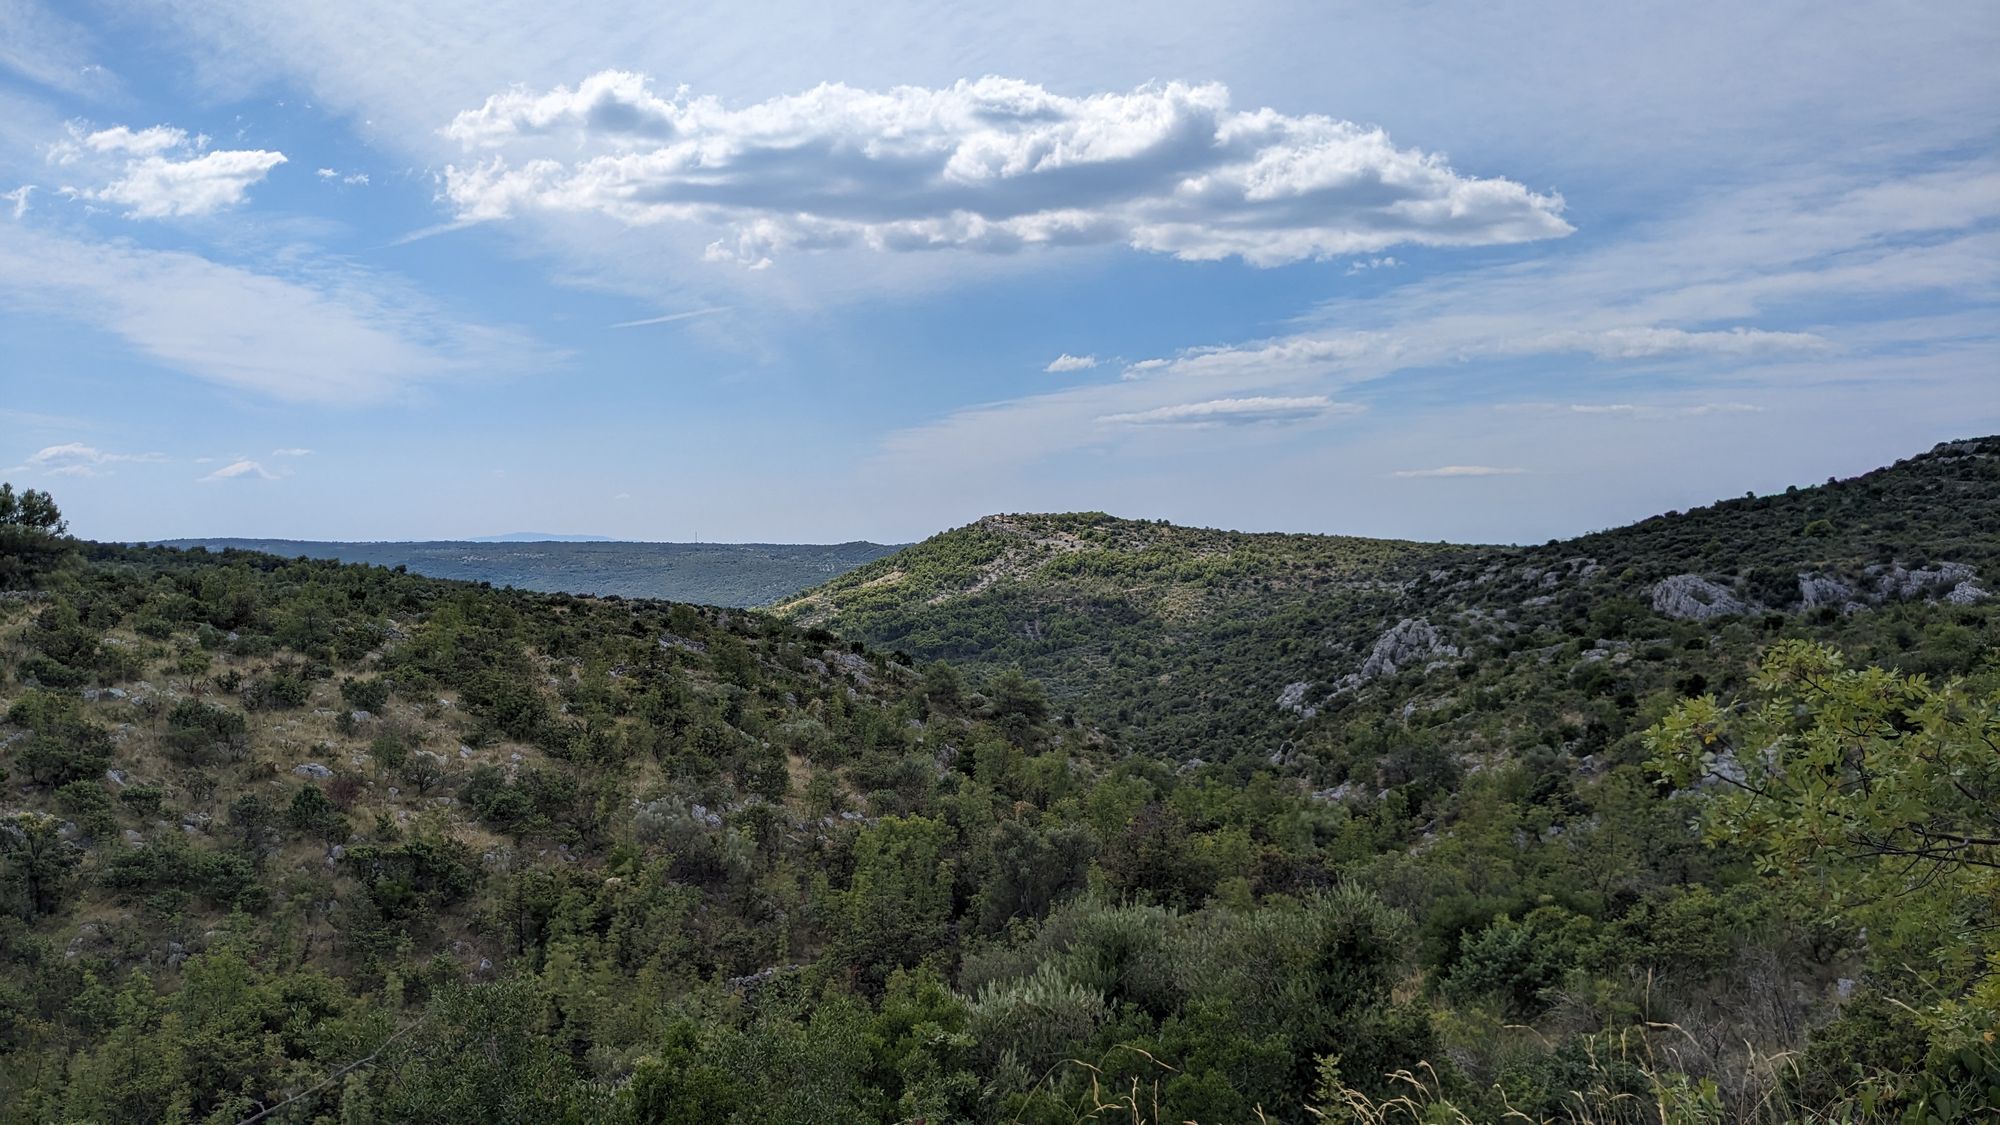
pixel 338 843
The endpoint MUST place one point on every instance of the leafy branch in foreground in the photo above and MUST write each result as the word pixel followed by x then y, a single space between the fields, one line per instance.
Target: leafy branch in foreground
pixel 1875 793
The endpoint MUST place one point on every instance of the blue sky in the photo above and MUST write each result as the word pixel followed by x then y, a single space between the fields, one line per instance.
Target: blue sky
pixel 800 272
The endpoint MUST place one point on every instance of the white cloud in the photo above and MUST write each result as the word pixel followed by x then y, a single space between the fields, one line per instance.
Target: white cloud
pixel 291 452
pixel 1687 294
pixel 331 334
pixel 19 198
pixel 355 179
pixel 75 459
pixel 240 469
pixel 1651 342
pixel 670 318
pixel 1361 354
pixel 1658 410
pixel 326 173
pixel 1068 362
pixel 160 172
pixel 50 50
pixel 1459 471
pixel 151 141
pixel 1384 263
pixel 1234 411
pixel 991 165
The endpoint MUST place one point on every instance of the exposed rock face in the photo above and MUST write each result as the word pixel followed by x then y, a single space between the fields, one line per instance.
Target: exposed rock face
pixel 1816 590
pixel 1965 593
pixel 1952 582
pixel 1690 597
pixel 1293 699
pixel 313 770
pixel 1410 641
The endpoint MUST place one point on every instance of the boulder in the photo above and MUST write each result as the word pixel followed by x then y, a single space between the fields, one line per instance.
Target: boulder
pixel 1690 597
pixel 1816 590
pixel 1293 699
pixel 1407 643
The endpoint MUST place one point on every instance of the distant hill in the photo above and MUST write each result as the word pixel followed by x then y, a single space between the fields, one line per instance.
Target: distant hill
pixel 723 574
pixel 540 537
pixel 1206 644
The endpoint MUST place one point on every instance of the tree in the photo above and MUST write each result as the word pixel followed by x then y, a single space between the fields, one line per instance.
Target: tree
pixel 32 533
pixel 424 771
pixel 900 901
pixel 35 861
pixel 1880 793
pixel 31 510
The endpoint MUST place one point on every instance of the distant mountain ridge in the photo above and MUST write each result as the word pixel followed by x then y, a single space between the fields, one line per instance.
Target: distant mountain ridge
pixel 540 537
pixel 736 575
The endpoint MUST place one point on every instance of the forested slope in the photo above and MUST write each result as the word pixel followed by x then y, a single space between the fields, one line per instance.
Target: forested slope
pixel 334 843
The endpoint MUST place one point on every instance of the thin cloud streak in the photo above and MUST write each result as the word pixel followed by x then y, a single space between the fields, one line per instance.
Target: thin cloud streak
pixel 671 318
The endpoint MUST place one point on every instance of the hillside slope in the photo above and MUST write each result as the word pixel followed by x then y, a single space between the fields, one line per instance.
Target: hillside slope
pixel 343 843
pixel 1208 644
pixel 1163 632
pixel 724 574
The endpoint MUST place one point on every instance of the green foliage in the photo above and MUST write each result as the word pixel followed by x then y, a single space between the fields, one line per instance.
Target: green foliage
pixel 368 694
pixel 1882 792
pixel 199 733
pixel 36 863
pixel 32 533
pixel 600 860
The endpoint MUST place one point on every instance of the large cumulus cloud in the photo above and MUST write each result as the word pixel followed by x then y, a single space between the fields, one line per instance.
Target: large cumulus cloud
pixel 990 165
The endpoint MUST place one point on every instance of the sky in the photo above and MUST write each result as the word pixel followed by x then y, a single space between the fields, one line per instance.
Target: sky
pixel 815 272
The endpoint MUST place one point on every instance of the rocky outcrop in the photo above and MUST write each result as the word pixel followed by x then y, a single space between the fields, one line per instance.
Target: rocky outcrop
pixel 1293 699
pixel 1956 583
pixel 1816 590
pixel 1408 642
pixel 1690 597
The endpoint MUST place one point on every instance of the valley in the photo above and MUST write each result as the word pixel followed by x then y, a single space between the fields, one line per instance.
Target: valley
pixel 1047 818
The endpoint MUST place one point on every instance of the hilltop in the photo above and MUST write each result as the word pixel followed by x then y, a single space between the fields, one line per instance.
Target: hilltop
pixel 1145 626
pixel 1197 643
pixel 724 574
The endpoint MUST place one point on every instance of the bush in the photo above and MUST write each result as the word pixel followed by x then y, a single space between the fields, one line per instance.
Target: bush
pixel 365 695
pixel 198 733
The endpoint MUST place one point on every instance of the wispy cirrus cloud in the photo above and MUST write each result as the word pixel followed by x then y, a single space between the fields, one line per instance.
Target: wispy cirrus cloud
pixel 1234 411
pixel 75 459
pixel 1639 410
pixel 1460 471
pixel 158 172
pixel 240 469
pixel 989 165
pixel 1068 362
pixel 328 334
pixel 673 318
